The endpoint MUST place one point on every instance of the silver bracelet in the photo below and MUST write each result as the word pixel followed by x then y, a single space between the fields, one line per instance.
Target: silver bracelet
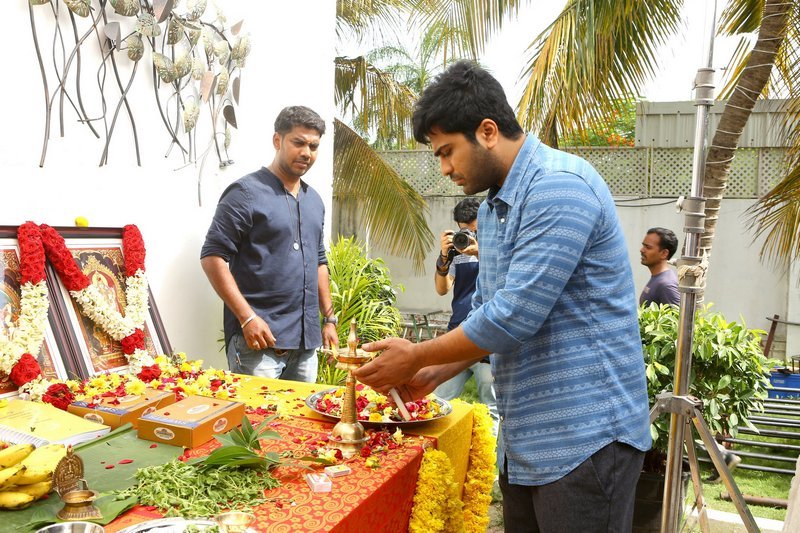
pixel 249 319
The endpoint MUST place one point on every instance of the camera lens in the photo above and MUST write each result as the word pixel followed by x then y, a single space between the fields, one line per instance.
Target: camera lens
pixel 460 240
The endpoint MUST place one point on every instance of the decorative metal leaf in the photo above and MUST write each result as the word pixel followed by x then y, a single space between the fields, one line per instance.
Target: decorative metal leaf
pixel 240 50
pixel 197 69
pixel 135 47
pixel 183 66
pixel 164 67
pixel 38 2
pixel 126 8
pixel 208 42
pixel 190 113
pixel 113 32
pixel 222 81
pixel 230 115
pixel 236 83
pixel 174 31
pixel 79 7
pixel 236 28
pixel 195 9
pixel 147 25
pixel 207 85
pixel 162 9
pixel 194 36
pixel 222 51
pixel 227 138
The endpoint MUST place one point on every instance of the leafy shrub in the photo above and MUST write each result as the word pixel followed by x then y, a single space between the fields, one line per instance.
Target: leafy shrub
pixel 361 289
pixel 727 373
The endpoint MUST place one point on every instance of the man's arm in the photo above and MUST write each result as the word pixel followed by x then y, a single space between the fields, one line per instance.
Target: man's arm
pixel 256 332
pixel 442 277
pixel 330 339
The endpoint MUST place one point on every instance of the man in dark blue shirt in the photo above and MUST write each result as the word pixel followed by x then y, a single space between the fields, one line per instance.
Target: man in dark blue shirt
pixel 658 246
pixel 264 255
pixel 459 271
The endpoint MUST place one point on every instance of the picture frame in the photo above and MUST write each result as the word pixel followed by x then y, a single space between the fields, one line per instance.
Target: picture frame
pixel 98 252
pixel 56 356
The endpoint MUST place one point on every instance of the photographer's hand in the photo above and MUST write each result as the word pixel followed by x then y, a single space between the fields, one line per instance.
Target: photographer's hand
pixel 446 241
pixel 472 249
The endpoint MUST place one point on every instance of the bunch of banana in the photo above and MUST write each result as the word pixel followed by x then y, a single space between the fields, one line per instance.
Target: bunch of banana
pixel 27 473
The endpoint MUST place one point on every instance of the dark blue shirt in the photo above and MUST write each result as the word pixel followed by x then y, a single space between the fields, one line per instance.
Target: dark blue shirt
pixel 254 230
pixel 465 273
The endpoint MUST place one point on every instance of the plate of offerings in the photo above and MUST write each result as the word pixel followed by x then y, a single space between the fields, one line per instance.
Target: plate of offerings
pixel 377 409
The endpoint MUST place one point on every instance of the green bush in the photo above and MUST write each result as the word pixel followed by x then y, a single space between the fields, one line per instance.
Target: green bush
pixel 728 371
pixel 361 289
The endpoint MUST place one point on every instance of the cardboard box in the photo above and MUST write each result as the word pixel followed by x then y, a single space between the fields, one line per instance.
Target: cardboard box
pixel 319 482
pixel 191 422
pixel 118 411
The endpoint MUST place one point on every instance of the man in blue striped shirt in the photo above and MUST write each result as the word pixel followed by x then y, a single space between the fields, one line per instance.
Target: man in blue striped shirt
pixel 555 302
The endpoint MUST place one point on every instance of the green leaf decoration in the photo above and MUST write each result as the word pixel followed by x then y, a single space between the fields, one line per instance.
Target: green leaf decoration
pixel 191 112
pixel 222 51
pixel 198 68
pixel 222 81
pixel 208 42
pixel 227 137
pixel 164 67
pixel 183 66
pixel 126 8
pixel 240 50
pixel 135 47
pixel 194 36
pixel 79 7
pixel 38 2
pixel 195 9
pixel 174 31
pixel 147 25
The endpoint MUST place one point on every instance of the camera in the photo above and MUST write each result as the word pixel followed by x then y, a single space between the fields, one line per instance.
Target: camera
pixel 461 239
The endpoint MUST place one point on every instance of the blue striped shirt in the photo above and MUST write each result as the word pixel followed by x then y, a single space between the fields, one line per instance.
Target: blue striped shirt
pixel 555 302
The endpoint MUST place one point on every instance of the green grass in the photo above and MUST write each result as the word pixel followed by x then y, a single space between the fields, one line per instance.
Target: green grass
pixel 470 392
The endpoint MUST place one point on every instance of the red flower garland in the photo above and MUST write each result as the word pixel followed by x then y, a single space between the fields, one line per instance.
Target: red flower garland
pixel 149 373
pixel 133 244
pixel 62 260
pixel 27 369
pixel 31 253
pixel 132 342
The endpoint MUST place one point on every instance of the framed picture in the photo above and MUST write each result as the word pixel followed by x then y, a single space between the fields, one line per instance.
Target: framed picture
pixel 99 254
pixel 56 355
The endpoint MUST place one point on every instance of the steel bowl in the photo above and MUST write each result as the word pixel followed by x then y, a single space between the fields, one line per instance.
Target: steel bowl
pixel 72 527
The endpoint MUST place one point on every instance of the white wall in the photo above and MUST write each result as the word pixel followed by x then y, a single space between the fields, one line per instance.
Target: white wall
pixel 291 63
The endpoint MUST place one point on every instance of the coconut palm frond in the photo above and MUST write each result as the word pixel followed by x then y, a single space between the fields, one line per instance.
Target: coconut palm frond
pixel 363 19
pixel 592 57
pixel 393 211
pixel 381 104
pixel 741 16
pixel 776 216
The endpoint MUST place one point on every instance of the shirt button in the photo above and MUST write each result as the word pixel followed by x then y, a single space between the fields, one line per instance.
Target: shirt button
pixel 503 220
pixel 502 419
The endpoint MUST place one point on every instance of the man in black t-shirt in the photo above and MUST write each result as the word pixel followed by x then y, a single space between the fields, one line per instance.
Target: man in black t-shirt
pixel 459 271
pixel 658 246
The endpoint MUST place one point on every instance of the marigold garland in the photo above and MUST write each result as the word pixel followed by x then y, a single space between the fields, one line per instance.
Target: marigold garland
pixel 480 472
pixel 437 506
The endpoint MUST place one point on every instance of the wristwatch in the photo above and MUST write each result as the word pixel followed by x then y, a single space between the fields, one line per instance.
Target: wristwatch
pixel 330 320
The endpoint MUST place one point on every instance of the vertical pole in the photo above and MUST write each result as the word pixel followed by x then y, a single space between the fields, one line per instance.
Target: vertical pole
pixel 672 507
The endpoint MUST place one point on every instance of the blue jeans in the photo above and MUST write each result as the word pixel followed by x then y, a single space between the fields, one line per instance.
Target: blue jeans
pixel 294 365
pixel 452 388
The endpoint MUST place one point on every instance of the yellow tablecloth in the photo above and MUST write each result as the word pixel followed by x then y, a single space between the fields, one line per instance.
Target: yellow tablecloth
pixel 453 433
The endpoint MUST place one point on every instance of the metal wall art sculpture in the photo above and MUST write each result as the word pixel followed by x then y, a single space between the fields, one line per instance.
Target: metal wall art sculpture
pixel 195 58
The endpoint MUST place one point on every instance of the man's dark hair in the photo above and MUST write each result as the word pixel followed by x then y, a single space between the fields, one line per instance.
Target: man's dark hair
pixel 466 210
pixel 459 99
pixel 298 115
pixel 667 240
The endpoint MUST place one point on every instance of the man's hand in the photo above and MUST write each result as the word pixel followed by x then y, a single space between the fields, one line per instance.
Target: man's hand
pixel 258 335
pixel 396 365
pixel 330 338
pixel 472 249
pixel 423 383
pixel 446 242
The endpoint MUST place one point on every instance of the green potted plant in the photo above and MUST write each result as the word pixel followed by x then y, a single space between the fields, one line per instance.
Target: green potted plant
pixel 361 289
pixel 727 374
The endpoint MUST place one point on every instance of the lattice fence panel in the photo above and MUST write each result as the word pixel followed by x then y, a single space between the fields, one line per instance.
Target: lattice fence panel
pixel 625 170
pixel 771 167
pixel 743 180
pixel 671 172
pixel 421 170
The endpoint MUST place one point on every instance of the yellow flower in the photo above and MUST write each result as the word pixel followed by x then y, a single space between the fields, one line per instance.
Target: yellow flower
pixel 222 394
pixel 375 417
pixel 437 506
pixel 480 472
pixel 186 367
pixel 372 462
pixel 135 386
pixel 397 436
pixel 203 381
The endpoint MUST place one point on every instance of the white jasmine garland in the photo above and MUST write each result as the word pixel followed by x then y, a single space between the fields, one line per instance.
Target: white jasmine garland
pixel 138 360
pixel 106 315
pixel 28 334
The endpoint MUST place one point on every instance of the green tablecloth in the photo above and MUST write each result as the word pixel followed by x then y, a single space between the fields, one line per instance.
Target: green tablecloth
pixel 97 455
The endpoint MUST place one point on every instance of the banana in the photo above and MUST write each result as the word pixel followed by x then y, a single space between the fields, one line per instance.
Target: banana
pixel 11 475
pixel 41 463
pixel 14 500
pixel 37 490
pixel 14 454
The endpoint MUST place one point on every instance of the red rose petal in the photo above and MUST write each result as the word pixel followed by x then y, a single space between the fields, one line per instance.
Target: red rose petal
pixel 125 461
pixel 109 467
pixel 154 445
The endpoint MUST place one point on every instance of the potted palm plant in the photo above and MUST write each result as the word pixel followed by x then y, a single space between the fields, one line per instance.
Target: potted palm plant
pixel 728 374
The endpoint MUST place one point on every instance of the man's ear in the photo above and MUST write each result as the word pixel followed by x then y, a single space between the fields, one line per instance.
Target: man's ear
pixel 276 141
pixel 487 133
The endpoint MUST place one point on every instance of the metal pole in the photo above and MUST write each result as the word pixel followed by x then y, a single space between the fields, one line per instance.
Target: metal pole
pixel 672 506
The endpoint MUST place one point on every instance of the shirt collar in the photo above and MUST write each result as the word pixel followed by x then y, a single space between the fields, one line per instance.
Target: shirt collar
pixel 508 192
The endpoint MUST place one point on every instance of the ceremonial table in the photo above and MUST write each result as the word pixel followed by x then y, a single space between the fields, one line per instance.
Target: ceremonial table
pixel 378 499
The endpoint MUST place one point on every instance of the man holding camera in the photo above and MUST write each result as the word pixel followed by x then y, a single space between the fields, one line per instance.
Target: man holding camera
pixel 457 268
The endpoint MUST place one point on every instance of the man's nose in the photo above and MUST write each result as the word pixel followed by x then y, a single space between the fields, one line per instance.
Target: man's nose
pixel 447 168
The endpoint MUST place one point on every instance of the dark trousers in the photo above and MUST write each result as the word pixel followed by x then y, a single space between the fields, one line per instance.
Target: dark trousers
pixel 597 496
